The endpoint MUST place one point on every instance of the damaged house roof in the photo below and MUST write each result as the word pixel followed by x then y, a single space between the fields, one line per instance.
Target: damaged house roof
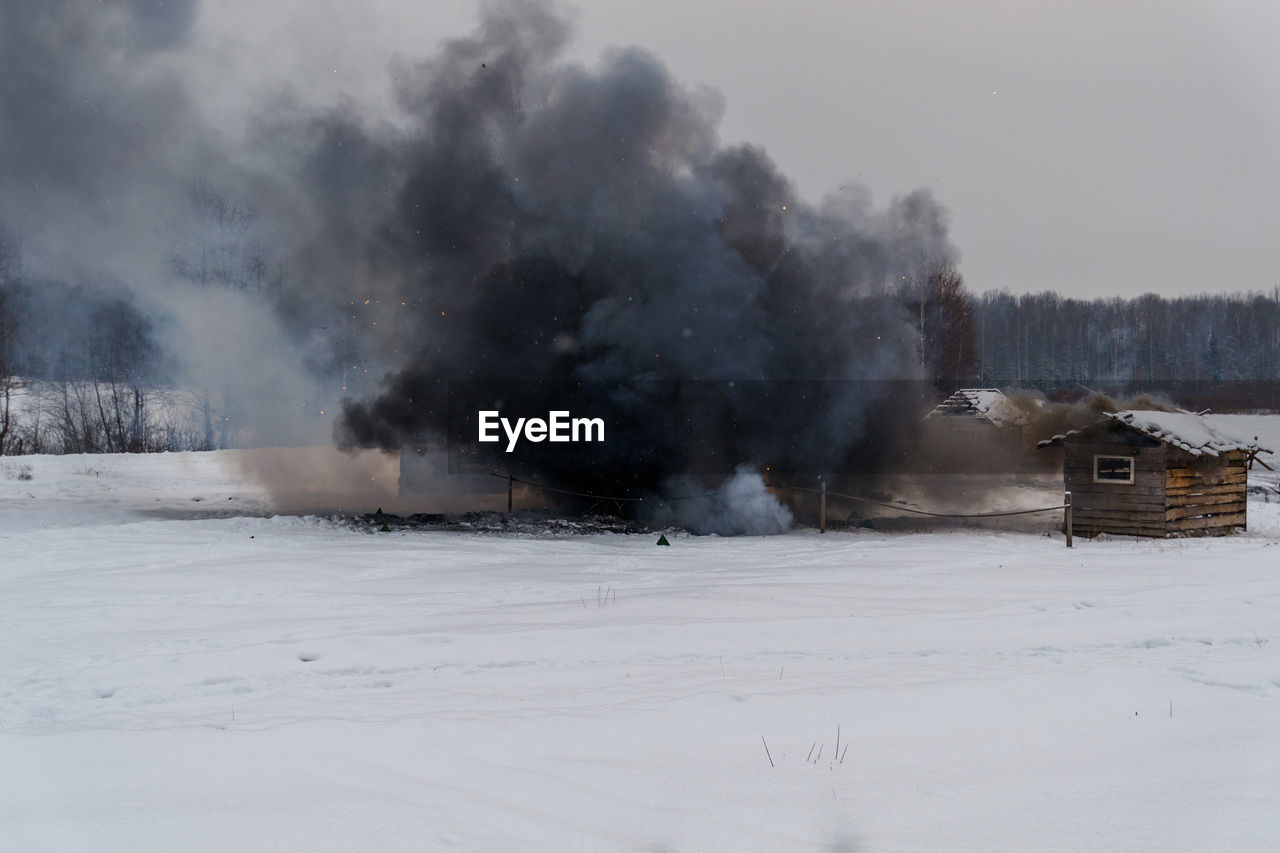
pixel 986 404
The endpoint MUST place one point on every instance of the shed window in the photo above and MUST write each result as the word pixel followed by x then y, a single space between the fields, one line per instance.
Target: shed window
pixel 1113 469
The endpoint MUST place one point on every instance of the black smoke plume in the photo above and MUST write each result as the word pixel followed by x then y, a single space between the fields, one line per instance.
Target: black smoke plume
pixel 586 226
pixel 519 219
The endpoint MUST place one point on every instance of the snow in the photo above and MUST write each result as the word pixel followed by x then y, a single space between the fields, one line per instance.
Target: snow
pixel 1264 431
pixel 1196 434
pixel 175 676
pixel 987 403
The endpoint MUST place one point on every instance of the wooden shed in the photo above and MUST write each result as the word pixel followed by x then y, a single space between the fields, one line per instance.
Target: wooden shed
pixel 1150 473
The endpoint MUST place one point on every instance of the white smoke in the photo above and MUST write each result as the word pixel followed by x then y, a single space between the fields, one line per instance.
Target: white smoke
pixel 741 506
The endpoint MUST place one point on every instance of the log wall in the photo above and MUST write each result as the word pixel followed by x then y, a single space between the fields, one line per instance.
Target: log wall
pixel 1205 495
pixel 1173 492
pixel 1127 509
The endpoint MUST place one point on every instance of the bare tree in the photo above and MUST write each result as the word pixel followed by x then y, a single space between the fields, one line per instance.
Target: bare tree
pixel 955 347
pixel 944 313
pixel 9 386
pixel 216 243
pixel 8 382
pixel 217 246
pixel 7 253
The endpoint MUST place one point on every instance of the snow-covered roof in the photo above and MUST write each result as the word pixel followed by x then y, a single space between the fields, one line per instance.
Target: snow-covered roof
pixel 986 404
pixel 1188 431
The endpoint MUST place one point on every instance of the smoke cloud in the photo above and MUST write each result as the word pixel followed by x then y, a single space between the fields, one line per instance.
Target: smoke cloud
pixel 521 217
pixel 740 506
pixel 556 222
pixel 115 179
pixel 1044 420
pixel 95 130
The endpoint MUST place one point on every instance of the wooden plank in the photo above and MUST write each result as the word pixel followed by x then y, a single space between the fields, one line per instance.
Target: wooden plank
pixel 1188 524
pixel 1115 524
pixel 1150 494
pixel 1206 471
pixel 1120 490
pixel 1117 520
pixel 1233 496
pixel 1155 519
pixel 1140 481
pixel 1088 508
pixel 1182 493
pixel 1205 480
pixel 1235 480
pixel 1094 528
pixel 1193 510
pixel 1207 489
pixel 1183 482
pixel 1156 492
pixel 1120 530
pixel 1202 479
pixel 1093 510
pixel 1214 531
pixel 1158 507
pixel 1200 511
pixel 1205 523
pixel 1101 503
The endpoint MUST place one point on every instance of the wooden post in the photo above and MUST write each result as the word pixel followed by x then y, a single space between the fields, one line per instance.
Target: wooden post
pixel 509 494
pixel 822 510
pixel 1066 511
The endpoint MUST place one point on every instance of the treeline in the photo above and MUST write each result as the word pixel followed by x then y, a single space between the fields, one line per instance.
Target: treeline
pixel 1049 342
pixel 1045 340
pixel 54 331
pixel 90 367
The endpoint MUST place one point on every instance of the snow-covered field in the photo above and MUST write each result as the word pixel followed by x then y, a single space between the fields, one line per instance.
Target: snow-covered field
pixel 183 674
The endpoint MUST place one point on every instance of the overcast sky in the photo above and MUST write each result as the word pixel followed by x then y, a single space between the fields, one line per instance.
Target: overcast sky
pixel 1092 147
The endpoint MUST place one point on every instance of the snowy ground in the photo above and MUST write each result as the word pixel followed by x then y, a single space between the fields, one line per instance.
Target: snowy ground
pixel 182 674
